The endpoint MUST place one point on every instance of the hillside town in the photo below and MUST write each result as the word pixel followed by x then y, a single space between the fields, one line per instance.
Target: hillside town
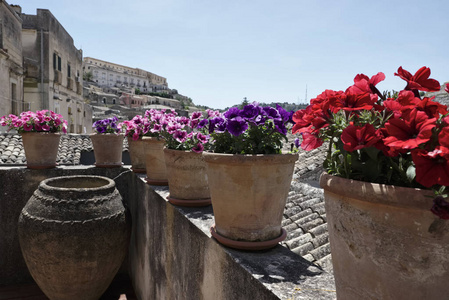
pixel 42 69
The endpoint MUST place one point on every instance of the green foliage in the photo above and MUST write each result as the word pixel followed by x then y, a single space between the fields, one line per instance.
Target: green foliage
pixel 256 140
pixel 88 76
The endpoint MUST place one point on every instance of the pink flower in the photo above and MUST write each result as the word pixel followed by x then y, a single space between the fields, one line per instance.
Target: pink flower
pixel 198 148
pixel 27 127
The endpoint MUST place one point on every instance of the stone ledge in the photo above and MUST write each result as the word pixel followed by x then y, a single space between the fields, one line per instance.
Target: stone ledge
pixel 172 254
pixel 277 273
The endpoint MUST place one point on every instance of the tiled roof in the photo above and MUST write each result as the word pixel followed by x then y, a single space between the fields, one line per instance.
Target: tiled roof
pixel 69 153
pixel 304 214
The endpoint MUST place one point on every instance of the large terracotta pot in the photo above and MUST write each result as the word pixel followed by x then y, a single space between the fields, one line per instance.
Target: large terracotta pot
pixel 385 242
pixel 74 236
pixel 41 149
pixel 137 155
pixel 155 161
pixel 108 149
pixel 186 171
pixel 248 195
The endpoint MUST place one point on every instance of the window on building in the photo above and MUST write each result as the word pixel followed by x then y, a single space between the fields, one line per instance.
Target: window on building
pixel 113 100
pixel 56 62
pixel 69 71
pixel 104 100
pixel 14 104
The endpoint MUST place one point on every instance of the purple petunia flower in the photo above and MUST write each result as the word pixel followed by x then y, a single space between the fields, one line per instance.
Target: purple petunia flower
pixel 214 123
pixel 272 113
pixel 198 148
pixel 297 143
pixel 236 126
pixel 285 115
pixel 232 113
pixel 180 135
pixel 201 137
pixel 251 112
pixel 203 123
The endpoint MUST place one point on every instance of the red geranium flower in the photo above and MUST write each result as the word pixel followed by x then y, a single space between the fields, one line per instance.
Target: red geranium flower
pixel 302 118
pixel 433 109
pixel 413 129
pixel 352 102
pixel 310 141
pixel 356 137
pixel 447 88
pixel 419 81
pixel 432 167
pixel 443 137
pixel 364 84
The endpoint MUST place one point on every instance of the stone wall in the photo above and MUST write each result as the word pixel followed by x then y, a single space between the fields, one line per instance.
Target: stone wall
pixel 171 253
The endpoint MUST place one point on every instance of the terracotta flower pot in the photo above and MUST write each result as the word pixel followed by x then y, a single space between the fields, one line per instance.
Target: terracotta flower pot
pixel 187 178
pixel 248 194
pixel 74 235
pixel 385 242
pixel 137 155
pixel 155 161
pixel 108 149
pixel 41 149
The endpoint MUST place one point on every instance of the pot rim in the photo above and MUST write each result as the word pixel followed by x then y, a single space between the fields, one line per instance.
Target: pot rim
pixel 41 132
pixel 180 151
pixel 281 158
pixel 109 134
pixel 46 184
pixel 413 198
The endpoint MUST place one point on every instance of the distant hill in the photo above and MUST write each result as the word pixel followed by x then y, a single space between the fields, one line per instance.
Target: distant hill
pixel 285 105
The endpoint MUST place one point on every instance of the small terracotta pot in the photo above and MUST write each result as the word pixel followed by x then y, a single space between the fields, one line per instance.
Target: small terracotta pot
pixel 41 149
pixel 249 193
pixel 187 179
pixel 385 241
pixel 137 155
pixel 108 149
pixel 155 161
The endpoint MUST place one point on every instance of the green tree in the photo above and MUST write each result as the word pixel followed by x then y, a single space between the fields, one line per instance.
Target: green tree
pixel 88 76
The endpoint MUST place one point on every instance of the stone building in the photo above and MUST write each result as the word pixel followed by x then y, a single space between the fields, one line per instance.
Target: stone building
pixel 441 96
pixel 107 74
pixel 53 70
pixel 11 67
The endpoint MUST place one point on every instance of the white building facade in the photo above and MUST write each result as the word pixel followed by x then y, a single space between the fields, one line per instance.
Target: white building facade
pixel 107 74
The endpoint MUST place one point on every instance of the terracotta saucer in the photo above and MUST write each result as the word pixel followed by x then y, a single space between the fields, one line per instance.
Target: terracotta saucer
pixel 242 245
pixel 156 182
pixel 108 166
pixel 189 203
pixel 138 170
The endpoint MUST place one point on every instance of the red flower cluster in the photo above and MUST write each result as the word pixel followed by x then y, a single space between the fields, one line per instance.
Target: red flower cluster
pixel 403 126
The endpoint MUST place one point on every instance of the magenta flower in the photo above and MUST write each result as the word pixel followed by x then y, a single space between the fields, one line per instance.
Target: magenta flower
pixel 27 127
pixel 199 148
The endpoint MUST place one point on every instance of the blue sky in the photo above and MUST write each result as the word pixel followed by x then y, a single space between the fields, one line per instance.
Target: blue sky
pixel 218 52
